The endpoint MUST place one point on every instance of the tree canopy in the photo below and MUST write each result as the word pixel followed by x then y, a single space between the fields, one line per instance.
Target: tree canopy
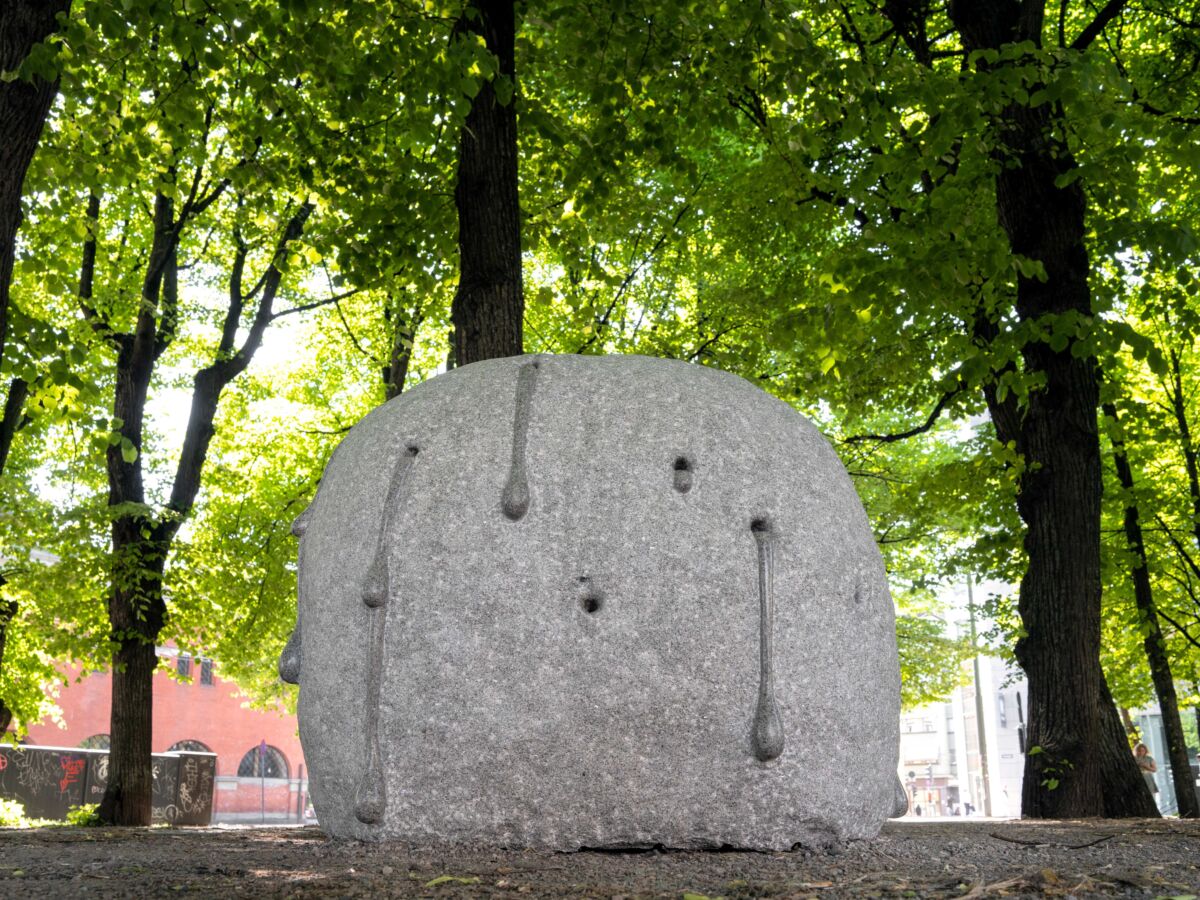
pixel 961 238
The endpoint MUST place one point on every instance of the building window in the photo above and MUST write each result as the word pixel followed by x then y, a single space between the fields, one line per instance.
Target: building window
pixel 263 761
pixel 96 742
pixel 189 746
pixel 183 665
pixel 206 671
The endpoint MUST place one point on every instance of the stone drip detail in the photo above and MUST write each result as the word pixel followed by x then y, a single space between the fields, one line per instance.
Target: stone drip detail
pixel 370 800
pixel 767 735
pixel 515 498
pixel 289 659
pixel 683 474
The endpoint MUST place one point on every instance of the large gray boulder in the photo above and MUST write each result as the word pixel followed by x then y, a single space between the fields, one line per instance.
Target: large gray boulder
pixel 564 601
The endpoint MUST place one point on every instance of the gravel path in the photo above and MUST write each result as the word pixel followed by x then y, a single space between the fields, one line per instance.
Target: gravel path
pixel 1136 858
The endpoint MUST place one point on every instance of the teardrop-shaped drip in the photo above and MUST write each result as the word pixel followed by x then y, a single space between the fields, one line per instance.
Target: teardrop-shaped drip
pixel 370 800
pixel 899 798
pixel 300 523
pixel 767 736
pixel 768 729
pixel 375 585
pixel 289 659
pixel 515 499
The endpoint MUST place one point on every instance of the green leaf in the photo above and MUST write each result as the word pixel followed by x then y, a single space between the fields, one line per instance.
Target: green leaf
pixel 450 879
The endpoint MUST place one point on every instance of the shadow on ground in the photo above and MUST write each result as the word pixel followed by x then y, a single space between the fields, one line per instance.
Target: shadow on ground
pixel 1135 858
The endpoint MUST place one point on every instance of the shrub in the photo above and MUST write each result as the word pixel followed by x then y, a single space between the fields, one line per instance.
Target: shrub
pixel 12 814
pixel 85 815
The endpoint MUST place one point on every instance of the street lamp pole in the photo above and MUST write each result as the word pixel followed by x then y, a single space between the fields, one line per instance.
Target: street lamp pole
pixel 983 755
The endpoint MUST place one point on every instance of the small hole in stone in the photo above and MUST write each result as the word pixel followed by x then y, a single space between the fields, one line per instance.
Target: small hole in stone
pixel 535 364
pixel 591 604
pixel 760 525
pixel 583 579
pixel 412 449
pixel 683 474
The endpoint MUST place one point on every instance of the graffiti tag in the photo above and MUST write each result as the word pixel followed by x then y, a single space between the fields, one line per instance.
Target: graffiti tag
pixel 71 769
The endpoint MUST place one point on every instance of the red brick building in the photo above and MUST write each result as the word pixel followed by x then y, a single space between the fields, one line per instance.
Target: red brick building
pixel 260 766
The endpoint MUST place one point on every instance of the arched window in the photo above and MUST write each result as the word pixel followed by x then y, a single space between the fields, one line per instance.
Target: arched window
pixel 96 742
pixel 263 762
pixel 190 746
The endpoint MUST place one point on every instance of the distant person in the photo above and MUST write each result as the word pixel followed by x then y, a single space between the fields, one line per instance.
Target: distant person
pixel 968 808
pixel 917 809
pixel 1148 766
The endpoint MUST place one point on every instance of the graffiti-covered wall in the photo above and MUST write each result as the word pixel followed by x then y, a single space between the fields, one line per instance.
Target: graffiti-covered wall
pixel 48 781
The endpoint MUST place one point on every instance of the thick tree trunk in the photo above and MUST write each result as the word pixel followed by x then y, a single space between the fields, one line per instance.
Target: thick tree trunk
pixel 136 614
pixel 129 802
pixel 1125 791
pixel 23 108
pixel 1156 648
pixel 10 420
pixel 8 612
pixel 1057 434
pixel 489 306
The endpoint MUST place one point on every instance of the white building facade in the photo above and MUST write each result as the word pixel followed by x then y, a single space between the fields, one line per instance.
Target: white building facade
pixel 953 761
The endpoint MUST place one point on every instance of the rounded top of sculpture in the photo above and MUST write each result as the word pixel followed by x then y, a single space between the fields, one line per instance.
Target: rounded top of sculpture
pixel 541 593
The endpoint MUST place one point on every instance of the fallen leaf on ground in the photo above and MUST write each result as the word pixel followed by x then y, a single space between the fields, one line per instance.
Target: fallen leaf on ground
pixel 450 879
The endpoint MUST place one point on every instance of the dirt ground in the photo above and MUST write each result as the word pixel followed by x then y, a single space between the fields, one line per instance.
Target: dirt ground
pixel 957 858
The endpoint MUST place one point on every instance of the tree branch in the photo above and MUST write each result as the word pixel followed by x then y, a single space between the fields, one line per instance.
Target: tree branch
pixel 305 307
pixel 1181 629
pixel 1110 11
pixel 87 272
pixel 911 432
pixel 1178 545
pixel 211 381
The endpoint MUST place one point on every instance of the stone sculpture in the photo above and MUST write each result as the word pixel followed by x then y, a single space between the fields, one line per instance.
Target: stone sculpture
pixel 565 601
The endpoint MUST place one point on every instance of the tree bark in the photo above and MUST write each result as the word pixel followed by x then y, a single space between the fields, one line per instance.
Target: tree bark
pixel 136 609
pixel 142 542
pixel 1057 434
pixel 489 305
pixel 23 108
pixel 8 612
pixel 1190 463
pixel 404 331
pixel 1125 791
pixel 1156 648
pixel 10 421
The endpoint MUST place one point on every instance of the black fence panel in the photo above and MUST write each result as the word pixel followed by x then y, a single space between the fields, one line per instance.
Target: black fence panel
pixel 50 780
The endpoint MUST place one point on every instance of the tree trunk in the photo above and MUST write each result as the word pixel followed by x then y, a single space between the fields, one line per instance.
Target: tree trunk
pixel 404 331
pixel 1057 434
pixel 1156 648
pixel 1190 464
pixel 1127 720
pixel 136 610
pixel 14 406
pixel 8 612
pixel 1125 791
pixel 23 108
pixel 489 305
pixel 136 613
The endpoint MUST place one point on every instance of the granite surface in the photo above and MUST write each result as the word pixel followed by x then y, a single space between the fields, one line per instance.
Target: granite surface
pixel 565 601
